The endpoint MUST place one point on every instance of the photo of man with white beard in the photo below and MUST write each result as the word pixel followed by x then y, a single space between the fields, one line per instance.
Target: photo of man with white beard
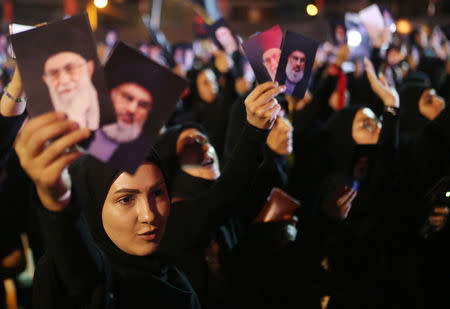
pixel 295 69
pixel 263 51
pixel 143 94
pixel 61 71
pixel 68 77
pixel 297 58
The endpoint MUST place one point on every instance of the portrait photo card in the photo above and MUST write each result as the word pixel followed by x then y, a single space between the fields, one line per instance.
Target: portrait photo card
pixel 296 61
pixel 222 36
pixel 338 31
pixel 143 95
pixel 263 53
pixel 61 71
pixel 373 20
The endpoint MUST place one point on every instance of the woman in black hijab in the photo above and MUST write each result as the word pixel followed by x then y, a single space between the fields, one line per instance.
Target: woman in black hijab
pixel 424 161
pixel 103 247
pixel 117 244
pixel 354 155
pixel 193 170
pixel 208 102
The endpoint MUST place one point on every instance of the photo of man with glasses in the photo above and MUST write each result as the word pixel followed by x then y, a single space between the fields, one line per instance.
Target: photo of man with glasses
pixel 263 52
pixel 68 77
pixel 61 71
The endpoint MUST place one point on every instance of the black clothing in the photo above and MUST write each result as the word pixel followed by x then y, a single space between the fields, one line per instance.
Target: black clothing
pixel 92 272
pixel 192 221
pixel 355 247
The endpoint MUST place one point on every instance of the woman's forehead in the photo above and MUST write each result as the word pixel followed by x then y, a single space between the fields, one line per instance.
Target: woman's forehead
pixel 146 175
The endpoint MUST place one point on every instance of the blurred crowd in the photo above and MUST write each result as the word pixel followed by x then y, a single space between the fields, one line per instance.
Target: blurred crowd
pixel 365 153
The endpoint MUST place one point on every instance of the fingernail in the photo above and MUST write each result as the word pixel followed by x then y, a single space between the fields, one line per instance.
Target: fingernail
pixel 61 116
pixel 86 132
pixel 74 126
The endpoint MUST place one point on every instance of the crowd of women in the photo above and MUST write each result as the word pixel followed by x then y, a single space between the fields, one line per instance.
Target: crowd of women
pixel 365 152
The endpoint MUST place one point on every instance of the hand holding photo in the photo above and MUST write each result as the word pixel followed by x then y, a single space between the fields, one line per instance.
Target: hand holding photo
pixel 297 58
pixel 143 95
pixel 263 52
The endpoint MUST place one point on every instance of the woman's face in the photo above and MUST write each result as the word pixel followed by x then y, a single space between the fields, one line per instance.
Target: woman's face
pixel 430 104
pixel 207 85
pixel 366 127
pixel 136 209
pixel 196 155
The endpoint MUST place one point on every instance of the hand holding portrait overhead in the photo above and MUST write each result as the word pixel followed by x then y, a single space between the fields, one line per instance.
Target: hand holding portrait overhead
pixel 291 66
pixel 115 103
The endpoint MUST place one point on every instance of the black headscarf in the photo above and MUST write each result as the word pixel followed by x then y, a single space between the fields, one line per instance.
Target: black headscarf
pixel 322 94
pixel 411 120
pixel 338 141
pixel 92 179
pixel 166 146
pixel 193 98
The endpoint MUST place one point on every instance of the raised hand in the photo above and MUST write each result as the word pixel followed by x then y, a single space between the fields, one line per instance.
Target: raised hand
pixel 385 92
pixel 439 217
pixel 46 146
pixel 339 203
pixel 261 105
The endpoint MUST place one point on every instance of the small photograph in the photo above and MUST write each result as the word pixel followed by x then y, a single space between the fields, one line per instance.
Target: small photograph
pixel 143 95
pixel 263 52
pixel 373 20
pixel 297 58
pixel 223 37
pixel 388 18
pixel 61 71
pixel 358 38
pixel 338 31
pixel 183 54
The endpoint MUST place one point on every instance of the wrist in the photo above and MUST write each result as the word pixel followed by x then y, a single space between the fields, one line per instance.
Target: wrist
pixel 391 109
pixel 54 201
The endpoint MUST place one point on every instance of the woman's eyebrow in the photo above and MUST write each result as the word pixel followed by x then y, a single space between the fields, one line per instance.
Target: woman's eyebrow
pixel 126 190
pixel 136 191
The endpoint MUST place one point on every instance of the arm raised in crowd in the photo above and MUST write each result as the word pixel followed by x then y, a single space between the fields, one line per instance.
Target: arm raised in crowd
pixel 46 146
pixel 12 115
pixel 9 107
pixel 204 214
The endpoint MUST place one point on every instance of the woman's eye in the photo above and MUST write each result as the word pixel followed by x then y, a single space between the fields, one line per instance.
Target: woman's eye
pixel 126 200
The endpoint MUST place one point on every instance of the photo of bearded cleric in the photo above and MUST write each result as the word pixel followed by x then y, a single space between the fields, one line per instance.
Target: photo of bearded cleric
pixel 297 58
pixel 263 52
pixel 143 94
pixel 61 71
